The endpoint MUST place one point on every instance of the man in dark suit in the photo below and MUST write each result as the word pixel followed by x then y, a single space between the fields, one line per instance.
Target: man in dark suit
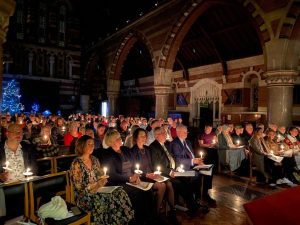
pixel 184 155
pixel 20 156
pixel 161 155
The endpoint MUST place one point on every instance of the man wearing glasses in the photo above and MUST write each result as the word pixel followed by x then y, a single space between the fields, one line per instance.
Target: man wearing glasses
pixel 14 156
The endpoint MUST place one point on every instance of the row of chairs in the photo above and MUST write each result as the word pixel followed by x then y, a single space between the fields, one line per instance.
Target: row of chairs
pixel 50 165
pixel 25 198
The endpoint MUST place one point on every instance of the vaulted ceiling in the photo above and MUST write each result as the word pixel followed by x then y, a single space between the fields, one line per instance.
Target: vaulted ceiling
pixel 222 33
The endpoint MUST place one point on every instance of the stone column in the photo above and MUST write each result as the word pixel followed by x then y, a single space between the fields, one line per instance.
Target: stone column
pixel 51 62
pixel 30 59
pixel 113 90
pixel 7 8
pixel 280 96
pixel 161 101
pixel 70 69
pixel 84 103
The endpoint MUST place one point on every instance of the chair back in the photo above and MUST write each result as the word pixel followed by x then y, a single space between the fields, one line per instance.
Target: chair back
pixel 42 190
pixel 63 162
pixel 16 200
pixel 45 165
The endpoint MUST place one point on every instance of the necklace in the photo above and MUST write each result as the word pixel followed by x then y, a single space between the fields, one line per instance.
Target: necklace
pixel 142 151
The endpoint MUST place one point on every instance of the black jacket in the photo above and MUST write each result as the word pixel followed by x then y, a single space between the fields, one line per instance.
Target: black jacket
pixel 159 157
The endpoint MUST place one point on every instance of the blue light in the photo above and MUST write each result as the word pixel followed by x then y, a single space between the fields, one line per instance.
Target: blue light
pixel 47 113
pixel 11 98
pixel 35 107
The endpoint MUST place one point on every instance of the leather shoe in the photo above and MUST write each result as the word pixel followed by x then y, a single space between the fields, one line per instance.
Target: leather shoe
pixel 209 200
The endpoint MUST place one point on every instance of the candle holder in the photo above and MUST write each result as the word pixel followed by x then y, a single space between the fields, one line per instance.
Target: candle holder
pixel 27 173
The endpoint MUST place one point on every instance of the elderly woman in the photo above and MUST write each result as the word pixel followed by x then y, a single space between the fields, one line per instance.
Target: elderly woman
pixel 87 177
pixel 224 139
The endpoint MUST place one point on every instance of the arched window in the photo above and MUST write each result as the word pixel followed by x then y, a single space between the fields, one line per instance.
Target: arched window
pixel 20 19
pixel 62 26
pixel 42 22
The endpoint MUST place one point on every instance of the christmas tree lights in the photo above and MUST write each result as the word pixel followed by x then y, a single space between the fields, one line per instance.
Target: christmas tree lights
pixel 11 98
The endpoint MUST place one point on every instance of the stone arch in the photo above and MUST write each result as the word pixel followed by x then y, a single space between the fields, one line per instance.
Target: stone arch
pixel 249 74
pixel 206 90
pixel 124 49
pixel 190 15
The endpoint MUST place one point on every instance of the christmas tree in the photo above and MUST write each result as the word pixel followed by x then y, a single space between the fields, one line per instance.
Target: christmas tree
pixel 11 98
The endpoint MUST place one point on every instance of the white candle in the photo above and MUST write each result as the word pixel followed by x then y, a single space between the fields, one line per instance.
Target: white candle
pixel 238 142
pixel 201 154
pixel 6 164
pixel 282 147
pixel 137 166
pixel 181 166
pixel 214 141
pixel 271 152
pixel 45 137
pixel 158 169
pixel 104 170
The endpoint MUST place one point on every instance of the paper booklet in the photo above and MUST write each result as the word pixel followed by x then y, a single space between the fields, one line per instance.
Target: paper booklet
pixel 189 173
pixel 108 189
pixel 203 167
pixel 161 179
pixel 145 186
pixel 275 158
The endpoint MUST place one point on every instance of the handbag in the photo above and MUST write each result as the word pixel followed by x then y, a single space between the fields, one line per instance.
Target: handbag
pixel 56 208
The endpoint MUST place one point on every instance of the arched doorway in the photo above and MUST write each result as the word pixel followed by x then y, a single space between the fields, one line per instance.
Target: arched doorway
pixel 206 102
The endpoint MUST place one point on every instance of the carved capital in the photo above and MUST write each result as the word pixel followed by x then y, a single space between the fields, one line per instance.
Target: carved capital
pixel 162 89
pixel 7 8
pixel 281 77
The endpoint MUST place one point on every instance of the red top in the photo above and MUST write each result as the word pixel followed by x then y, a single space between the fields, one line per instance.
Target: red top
pixel 68 138
pixel 173 132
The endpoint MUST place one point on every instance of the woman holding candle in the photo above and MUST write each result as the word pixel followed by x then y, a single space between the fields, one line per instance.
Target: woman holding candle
pixel 87 178
pixel 143 157
pixel 120 161
pixel 45 145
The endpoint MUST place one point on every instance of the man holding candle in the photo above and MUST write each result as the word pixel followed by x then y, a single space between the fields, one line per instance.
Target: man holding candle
pixel 162 155
pixel 19 156
pixel 183 154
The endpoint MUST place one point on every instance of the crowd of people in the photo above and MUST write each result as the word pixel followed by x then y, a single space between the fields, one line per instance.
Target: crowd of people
pixel 125 145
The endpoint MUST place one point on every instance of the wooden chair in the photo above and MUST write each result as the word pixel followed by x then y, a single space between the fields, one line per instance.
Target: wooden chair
pixel 64 150
pixel 45 166
pixel 42 190
pixel 63 162
pixel 16 200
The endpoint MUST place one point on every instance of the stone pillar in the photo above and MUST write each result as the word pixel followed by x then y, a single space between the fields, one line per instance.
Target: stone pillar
pixel 70 69
pixel 162 89
pixel 113 90
pixel 30 59
pixel 280 96
pixel 7 8
pixel 112 103
pixel 51 62
pixel 161 101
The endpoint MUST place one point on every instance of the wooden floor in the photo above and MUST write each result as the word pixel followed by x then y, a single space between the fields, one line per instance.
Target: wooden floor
pixel 231 193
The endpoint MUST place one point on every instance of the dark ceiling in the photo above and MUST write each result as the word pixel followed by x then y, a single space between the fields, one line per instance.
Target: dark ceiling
pixel 100 18
pixel 222 33
pixel 138 63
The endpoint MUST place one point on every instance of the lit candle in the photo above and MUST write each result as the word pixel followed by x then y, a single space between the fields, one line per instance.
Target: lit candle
pixel 201 154
pixel 238 142
pixel 104 170
pixel 6 166
pixel 214 141
pixel 157 170
pixel 63 128
pixel 271 152
pixel 138 171
pixel 45 137
pixel 181 168
pixel 281 147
